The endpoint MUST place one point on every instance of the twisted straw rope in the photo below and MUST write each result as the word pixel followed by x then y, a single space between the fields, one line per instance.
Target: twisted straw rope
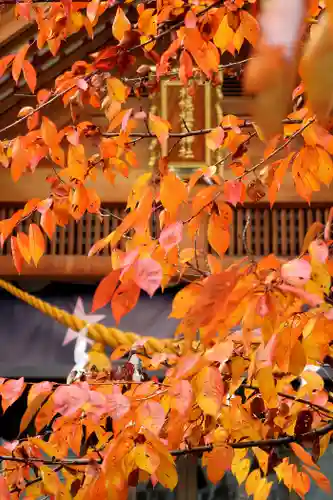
pixel 97 332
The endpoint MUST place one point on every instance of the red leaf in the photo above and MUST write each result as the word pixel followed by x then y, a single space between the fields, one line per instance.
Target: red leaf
pixel 30 75
pixel 151 415
pixel 68 399
pixel 148 275
pixel 105 290
pixel 124 299
pixel 234 192
pixel 11 391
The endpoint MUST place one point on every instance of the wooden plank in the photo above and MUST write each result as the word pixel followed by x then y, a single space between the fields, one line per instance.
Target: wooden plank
pixel 88 236
pixel 275 231
pixel 301 227
pixel 257 227
pixel 71 237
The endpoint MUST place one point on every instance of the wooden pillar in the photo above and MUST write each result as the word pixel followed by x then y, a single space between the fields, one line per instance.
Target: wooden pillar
pixel 187 478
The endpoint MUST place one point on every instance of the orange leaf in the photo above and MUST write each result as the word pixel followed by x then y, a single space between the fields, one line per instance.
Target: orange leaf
pixel 100 245
pixel 37 395
pixel 23 245
pixel 303 455
pixel 48 222
pixel 311 234
pixel 4 63
pixel 4 490
pixel 49 133
pixel 18 62
pixel 320 479
pixel 218 237
pixel 160 128
pixel 249 27
pixel 120 24
pixel 218 462
pixel 30 75
pixel 36 243
pixel 124 299
pixel 105 290
pixel 16 254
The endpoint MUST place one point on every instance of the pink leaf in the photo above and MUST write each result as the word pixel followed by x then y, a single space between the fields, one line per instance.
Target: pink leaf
pixel 69 399
pixel 234 192
pixel 11 391
pixel 318 251
pixel 148 275
pixel 151 415
pixel 309 298
pixel 171 236
pixel 82 84
pixel 181 395
pixel 296 272
pixel 117 404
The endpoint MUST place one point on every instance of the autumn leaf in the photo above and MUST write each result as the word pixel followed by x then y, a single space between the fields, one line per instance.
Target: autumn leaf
pixel 36 243
pixel 18 62
pixel 215 138
pixel 10 391
pixel 209 390
pixel 311 234
pixel 172 184
pixel 151 415
pixel 320 479
pixel 29 73
pixel 148 275
pixel 296 272
pixel 218 461
pixel 234 192
pixel 4 490
pixel 249 27
pixel 303 455
pixel 224 35
pixel 117 403
pixel 16 254
pixel 171 235
pixel 76 163
pixel 49 133
pixel 48 222
pixel 23 243
pixel 218 237
pixel 160 128
pixel 37 395
pixel 120 24
pixel 105 290
pixel 117 90
pixel 124 299
pixel 146 458
pixel 267 386
pixel 181 396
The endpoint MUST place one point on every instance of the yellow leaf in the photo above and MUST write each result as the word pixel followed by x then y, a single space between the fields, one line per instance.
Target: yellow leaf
pixel 209 390
pixel 298 359
pixel 117 90
pixel 224 35
pixel 166 473
pixel 146 458
pixel 173 193
pixel 252 482
pixel 267 386
pixel 263 490
pixel 240 469
pixel 120 24
pixel 262 458
pixel 36 243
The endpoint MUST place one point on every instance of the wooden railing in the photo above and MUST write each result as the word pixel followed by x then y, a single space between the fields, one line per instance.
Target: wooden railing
pixel 280 231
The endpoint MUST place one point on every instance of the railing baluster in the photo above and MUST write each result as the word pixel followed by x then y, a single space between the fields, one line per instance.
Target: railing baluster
pixel 79 237
pixel 284 234
pixel 301 228
pixel 106 231
pixel 71 236
pixel 257 228
pixel 87 240
pixel 267 232
pixel 292 232
pixel 275 231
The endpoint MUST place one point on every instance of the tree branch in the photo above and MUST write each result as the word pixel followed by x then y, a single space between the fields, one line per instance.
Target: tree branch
pixel 281 441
